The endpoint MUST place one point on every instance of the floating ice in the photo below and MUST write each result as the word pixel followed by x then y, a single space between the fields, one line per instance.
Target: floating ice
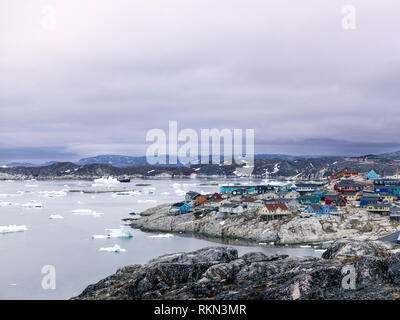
pixel 163 235
pixel 54 194
pixel 147 201
pixel 125 193
pixel 31 185
pixel 56 216
pixel 4 203
pixel 164 193
pixel 12 228
pixel 105 181
pixel 33 204
pixel 115 233
pixel 86 212
pixel 116 248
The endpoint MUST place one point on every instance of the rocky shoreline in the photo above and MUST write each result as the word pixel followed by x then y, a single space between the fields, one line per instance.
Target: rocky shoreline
pixel 353 224
pixel 219 273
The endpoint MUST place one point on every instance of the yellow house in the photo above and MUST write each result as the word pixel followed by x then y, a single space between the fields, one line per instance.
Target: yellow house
pixel 389 197
pixel 216 203
pixel 274 208
pixel 353 197
pixel 379 208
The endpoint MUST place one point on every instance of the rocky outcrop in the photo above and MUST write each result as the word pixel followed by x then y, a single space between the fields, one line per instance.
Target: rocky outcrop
pixel 353 224
pixel 219 273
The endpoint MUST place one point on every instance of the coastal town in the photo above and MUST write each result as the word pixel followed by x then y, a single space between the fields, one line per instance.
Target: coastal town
pixel 347 204
pixel 346 189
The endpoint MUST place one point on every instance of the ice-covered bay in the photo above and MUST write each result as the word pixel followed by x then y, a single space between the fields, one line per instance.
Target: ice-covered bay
pixel 67 244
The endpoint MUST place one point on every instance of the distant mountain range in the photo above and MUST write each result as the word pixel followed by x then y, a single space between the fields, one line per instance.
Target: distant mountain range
pixel 121 161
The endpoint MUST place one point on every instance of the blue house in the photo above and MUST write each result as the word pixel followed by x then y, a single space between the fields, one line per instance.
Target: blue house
pixel 394 190
pixel 181 207
pixel 373 175
pixel 317 209
pixel 365 201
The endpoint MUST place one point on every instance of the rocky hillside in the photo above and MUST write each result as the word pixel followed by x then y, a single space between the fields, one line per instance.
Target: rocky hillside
pixel 219 273
pixel 353 224
pixel 303 168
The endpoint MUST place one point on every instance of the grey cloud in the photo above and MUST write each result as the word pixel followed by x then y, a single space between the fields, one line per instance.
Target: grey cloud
pixel 111 71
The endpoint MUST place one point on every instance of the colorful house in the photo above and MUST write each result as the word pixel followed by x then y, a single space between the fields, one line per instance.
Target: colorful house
pixel 318 210
pixel 231 208
pixel 200 199
pixel 353 196
pixel 274 208
pixel 379 208
pixel 181 207
pixel 394 190
pixel 368 200
pixel 373 175
pixel 336 200
pixel 305 187
pixel 309 199
pixel 348 186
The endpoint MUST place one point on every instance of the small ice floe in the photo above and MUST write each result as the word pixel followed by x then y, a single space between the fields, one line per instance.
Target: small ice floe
pixel 31 185
pixel 54 194
pixel 148 190
pixel 180 192
pixel 262 243
pixel 86 212
pixel 162 235
pixel 5 204
pixel 12 228
pixel 164 193
pixel 114 233
pixel 56 216
pixel 147 201
pixel 33 204
pixel 116 248
pixel 305 246
pixel 13 284
pixel 105 182
pixel 125 193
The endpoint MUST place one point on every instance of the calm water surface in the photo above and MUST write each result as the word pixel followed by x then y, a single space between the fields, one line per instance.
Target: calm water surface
pixel 67 244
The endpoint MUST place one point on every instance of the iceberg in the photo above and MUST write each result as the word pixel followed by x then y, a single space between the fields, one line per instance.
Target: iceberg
pixel 56 216
pixel 54 194
pixel 33 204
pixel 163 235
pixel 12 228
pixel 115 233
pixel 104 182
pixel 86 212
pixel 116 248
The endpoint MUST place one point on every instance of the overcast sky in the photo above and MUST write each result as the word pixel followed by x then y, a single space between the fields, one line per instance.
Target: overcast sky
pixel 108 71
